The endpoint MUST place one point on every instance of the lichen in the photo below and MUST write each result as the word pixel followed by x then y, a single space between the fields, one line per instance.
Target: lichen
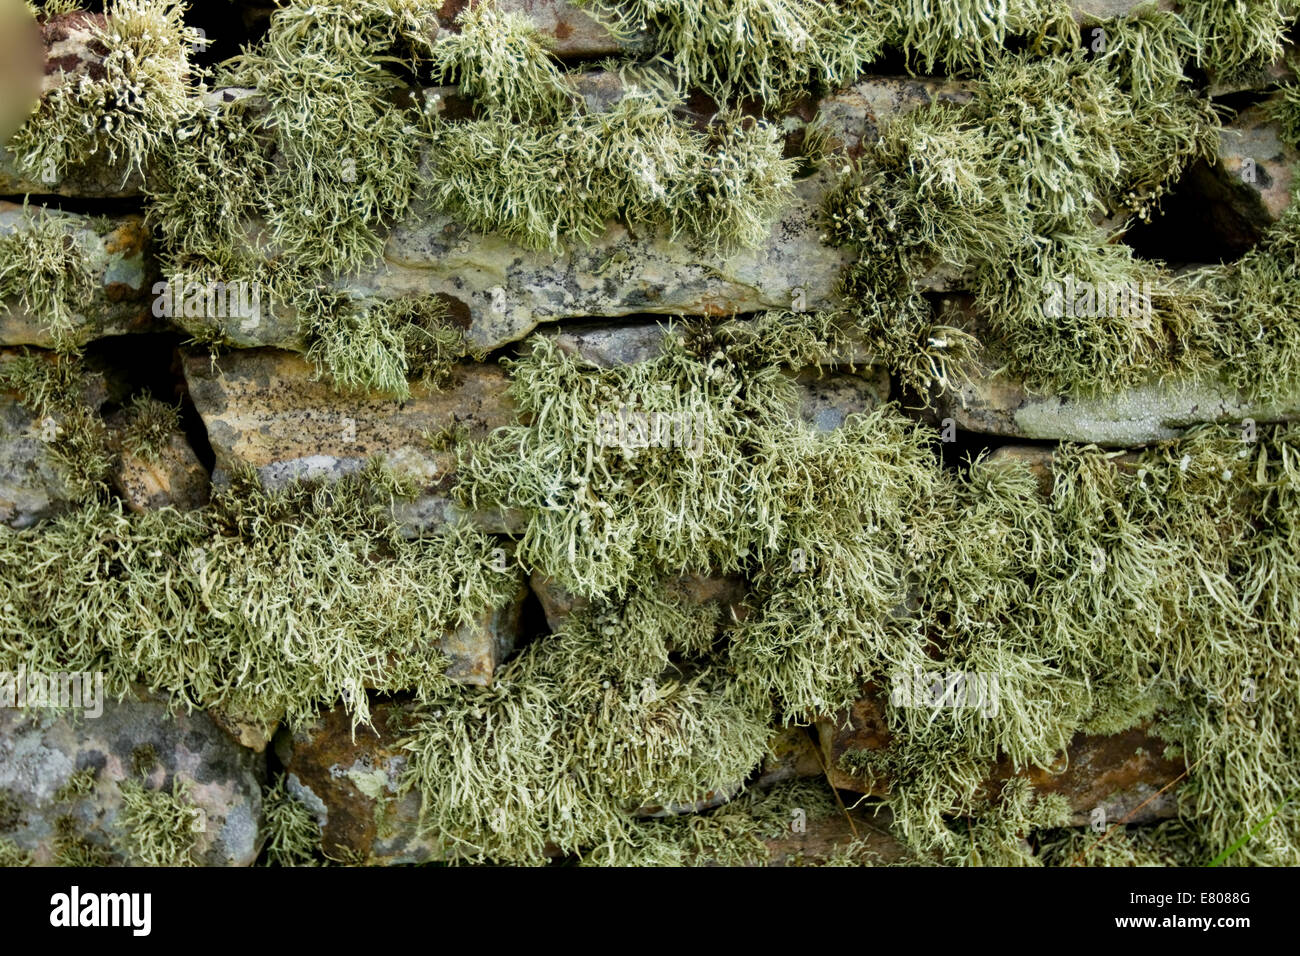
pixel 45 268
pixel 302 596
pixel 159 827
pixel 125 108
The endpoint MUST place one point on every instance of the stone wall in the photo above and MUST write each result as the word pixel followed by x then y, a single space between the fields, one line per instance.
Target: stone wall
pixel 446 442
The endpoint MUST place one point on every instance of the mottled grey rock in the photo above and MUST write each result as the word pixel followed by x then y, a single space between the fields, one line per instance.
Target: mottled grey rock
pixel 1245 191
pixel 40 749
pixel 34 484
pixel 1125 418
pixel 117 253
pixel 265 408
pixel 827 398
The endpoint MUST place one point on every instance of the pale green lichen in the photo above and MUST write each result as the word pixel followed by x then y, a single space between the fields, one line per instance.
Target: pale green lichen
pixel 80 784
pixel 387 346
pixel 303 596
pixel 159 827
pixel 55 389
pixel 125 108
pixel 293 834
pixel 150 427
pixel 44 267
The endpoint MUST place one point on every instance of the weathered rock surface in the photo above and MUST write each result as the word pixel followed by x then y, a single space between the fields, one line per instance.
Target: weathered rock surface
pixel 117 254
pixel 558 603
pixel 264 408
pixel 1247 189
pixel 829 838
pixel 175 478
pixel 1127 418
pixel 351 787
pixel 33 482
pixel 40 750
pixel 1122 772
pixel 476 650
pixel 509 289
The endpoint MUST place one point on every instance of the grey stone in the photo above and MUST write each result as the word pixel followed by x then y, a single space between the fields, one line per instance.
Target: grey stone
pixel 1123 419
pixel 41 748
pixel 265 408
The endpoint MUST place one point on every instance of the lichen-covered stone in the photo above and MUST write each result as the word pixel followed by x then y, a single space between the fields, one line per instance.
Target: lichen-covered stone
pixel 34 483
pixel 264 408
pixel 116 251
pixel 1121 772
pixel 1125 418
pixel 351 787
pixel 175 478
pixel 40 750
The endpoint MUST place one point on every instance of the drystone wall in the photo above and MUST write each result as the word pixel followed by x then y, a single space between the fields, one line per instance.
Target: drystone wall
pixel 725 432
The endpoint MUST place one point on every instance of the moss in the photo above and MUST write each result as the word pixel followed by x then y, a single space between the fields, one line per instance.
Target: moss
pixel 144 759
pixel 125 108
pixel 159 827
pixel 149 428
pixel 80 784
pixel 44 266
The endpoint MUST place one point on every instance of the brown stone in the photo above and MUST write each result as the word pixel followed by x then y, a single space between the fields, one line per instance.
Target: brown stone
pixel 1122 772
pixel 175 478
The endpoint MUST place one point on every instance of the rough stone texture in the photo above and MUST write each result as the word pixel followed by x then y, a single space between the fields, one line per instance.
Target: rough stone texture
pixel 1242 194
pixel 1128 418
pixel 118 255
pixel 509 289
pixel 252 734
pixel 1122 772
pixel 791 753
pixel 351 786
pixel 176 479
pixel 265 409
pixel 33 484
pixel 475 651
pixel 40 750
pixel 823 837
